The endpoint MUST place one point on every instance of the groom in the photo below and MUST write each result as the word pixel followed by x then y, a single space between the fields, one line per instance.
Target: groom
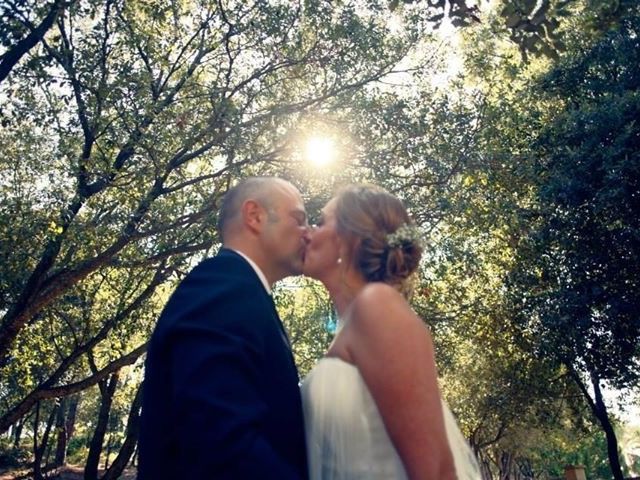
pixel 220 396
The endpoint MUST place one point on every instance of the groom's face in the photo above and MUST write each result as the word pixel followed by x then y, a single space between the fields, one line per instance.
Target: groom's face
pixel 285 235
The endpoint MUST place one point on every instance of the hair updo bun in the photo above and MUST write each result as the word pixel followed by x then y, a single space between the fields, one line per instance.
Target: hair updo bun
pixel 385 246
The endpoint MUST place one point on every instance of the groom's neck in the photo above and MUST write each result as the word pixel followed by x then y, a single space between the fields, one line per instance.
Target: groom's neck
pixel 256 255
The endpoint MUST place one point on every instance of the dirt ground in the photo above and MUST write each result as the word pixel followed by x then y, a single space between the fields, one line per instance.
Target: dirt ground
pixel 69 472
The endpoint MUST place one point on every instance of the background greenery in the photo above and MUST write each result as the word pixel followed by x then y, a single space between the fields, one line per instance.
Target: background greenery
pixel 122 124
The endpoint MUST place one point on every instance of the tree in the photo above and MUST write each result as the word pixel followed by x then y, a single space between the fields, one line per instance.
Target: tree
pixel 130 441
pixel 121 131
pixel 19 35
pixel 107 391
pixel 533 26
pixel 116 141
pixel 574 286
pixel 309 318
pixel 480 242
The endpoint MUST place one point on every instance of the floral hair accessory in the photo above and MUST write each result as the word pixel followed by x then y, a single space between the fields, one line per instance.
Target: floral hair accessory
pixel 405 234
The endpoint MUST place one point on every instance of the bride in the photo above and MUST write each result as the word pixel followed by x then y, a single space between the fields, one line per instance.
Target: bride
pixel 372 406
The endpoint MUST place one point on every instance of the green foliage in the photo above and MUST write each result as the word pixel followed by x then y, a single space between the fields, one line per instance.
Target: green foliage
pixel 576 282
pixel 78 449
pixel 123 129
pixel 560 447
pixel 308 316
pixel 578 119
pixel 556 202
pixel 535 27
pixel 120 133
pixel 11 456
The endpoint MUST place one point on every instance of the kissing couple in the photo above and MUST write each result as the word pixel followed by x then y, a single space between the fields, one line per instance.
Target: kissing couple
pixel 221 395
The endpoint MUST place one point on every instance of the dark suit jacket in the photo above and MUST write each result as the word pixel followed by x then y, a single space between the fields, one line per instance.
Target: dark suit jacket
pixel 220 396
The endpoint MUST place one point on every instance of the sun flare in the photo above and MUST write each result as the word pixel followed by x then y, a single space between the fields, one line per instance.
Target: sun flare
pixel 320 151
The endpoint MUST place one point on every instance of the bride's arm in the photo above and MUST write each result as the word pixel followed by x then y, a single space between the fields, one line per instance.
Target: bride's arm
pixel 393 350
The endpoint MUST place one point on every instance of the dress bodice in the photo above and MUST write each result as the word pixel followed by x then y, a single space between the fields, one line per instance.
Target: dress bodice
pixel 346 438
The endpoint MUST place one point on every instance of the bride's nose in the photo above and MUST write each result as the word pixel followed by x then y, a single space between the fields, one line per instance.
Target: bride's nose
pixel 306 236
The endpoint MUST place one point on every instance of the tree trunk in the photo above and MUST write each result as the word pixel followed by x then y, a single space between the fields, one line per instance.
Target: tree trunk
pixel 600 411
pixel 107 390
pixel 71 416
pixel 65 426
pixel 109 447
pixel 131 439
pixel 39 450
pixel 61 430
pixel 46 457
pixel 37 474
pixel 17 433
pixel 39 394
pixel 505 466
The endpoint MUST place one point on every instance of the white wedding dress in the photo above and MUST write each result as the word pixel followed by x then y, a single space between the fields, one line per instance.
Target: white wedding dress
pixel 346 438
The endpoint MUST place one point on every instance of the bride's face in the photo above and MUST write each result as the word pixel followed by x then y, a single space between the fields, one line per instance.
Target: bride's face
pixel 323 249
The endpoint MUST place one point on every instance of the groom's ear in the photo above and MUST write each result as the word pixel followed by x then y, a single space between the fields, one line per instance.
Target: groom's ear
pixel 252 215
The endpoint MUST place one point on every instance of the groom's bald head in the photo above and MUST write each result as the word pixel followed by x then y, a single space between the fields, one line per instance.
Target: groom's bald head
pixel 260 189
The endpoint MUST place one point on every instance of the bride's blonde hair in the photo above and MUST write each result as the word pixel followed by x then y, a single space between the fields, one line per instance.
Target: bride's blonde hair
pixel 373 222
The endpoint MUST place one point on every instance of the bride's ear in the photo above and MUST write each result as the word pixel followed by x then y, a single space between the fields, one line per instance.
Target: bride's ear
pixel 346 250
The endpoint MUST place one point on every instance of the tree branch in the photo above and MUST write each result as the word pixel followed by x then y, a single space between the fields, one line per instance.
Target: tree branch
pixel 17 412
pixel 10 58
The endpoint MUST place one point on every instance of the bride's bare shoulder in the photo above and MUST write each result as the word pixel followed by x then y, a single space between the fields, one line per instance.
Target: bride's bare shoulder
pixel 384 326
pixel 377 302
pixel 377 292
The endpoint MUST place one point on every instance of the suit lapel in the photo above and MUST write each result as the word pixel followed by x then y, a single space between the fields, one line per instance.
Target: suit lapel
pixel 269 298
pixel 283 331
